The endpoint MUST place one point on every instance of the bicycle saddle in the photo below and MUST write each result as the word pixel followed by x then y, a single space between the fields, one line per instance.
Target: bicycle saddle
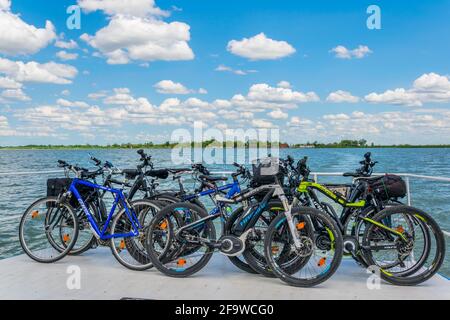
pixel 161 173
pixel 131 173
pixel 213 178
pixel 178 170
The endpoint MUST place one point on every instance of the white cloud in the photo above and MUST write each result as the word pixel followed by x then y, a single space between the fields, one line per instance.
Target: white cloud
pixel 18 37
pixel 3 122
pixel 342 52
pixel 358 114
pixel 264 92
pixel 398 96
pixel 429 87
pixel 32 71
pixel 284 84
pixel 15 94
pixel 196 103
pixel 261 123
pixel 298 122
pixel 64 55
pixel 336 117
pixel 122 96
pixel 65 92
pixel 432 87
pixel 129 7
pixel 128 38
pixel 341 96
pixel 278 114
pixel 222 104
pixel 97 95
pixel 5 5
pixel 7 83
pixel 71 44
pixel 224 68
pixel 260 47
pixel 67 103
pixel 171 87
pixel 402 126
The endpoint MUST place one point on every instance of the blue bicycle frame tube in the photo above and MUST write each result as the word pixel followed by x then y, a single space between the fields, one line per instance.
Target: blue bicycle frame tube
pixel 118 197
pixel 233 188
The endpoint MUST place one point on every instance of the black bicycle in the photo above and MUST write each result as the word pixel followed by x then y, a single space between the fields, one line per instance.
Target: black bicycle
pixel 182 238
pixel 403 242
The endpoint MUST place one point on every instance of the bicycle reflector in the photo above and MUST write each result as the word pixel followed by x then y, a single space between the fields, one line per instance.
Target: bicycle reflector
pixel 34 214
pixel 181 262
pixel 321 262
pixel 163 225
pixel 300 225
pixel 66 238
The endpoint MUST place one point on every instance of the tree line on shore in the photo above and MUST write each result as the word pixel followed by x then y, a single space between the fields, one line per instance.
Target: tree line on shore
pixel 362 143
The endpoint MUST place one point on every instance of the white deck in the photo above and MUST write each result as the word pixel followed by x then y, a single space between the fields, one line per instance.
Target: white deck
pixel 104 278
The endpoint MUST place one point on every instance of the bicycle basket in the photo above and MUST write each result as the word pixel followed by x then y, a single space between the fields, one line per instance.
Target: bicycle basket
pixel 267 171
pixel 388 186
pixel 57 186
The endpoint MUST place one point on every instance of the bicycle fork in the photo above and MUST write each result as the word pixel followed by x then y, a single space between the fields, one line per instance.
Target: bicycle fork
pixel 290 221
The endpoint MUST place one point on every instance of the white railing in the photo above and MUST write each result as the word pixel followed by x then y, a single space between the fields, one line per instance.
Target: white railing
pixel 315 175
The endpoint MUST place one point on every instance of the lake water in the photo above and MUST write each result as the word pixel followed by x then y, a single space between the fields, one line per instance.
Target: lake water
pixel 19 191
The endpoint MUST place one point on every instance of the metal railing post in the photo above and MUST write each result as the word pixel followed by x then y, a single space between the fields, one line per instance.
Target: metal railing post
pixel 408 192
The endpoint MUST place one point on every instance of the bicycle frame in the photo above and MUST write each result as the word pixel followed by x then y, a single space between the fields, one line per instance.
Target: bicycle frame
pixel 251 217
pixel 308 186
pixel 118 198
pixel 233 189
pixel 305 186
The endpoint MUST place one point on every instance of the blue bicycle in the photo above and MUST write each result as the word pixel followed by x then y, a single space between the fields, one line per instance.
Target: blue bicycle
pixel 49 228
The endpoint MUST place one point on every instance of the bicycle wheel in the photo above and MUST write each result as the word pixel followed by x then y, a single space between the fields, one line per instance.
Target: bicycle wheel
pixel 320 247
pixel 180 254
pixel 41 227
pixel 254 252
pixel 86 238
pixel 405 244
pixel 130 251
pixel 240 260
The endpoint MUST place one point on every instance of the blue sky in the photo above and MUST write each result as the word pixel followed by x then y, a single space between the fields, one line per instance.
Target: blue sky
pixel 310 68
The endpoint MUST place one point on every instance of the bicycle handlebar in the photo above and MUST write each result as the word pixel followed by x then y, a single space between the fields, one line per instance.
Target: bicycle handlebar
pixel 145 159
pixel 366 168
pixel 241 171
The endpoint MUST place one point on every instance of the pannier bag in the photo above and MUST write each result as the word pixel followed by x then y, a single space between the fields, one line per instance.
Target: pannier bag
pixel 389 186
pixel 57 186
pixel 266 171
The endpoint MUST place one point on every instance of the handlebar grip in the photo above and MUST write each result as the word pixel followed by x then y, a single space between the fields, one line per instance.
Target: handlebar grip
pixel 350 174
pixel 108 164
pixel 303 161
pixel 97 161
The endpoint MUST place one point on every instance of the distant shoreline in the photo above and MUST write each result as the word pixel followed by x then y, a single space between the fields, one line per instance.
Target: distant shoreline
pixel 230 144
pixel 240 147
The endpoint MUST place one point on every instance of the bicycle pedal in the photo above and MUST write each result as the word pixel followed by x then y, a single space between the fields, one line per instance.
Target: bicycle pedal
pixel 103 243
pixel 94 244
